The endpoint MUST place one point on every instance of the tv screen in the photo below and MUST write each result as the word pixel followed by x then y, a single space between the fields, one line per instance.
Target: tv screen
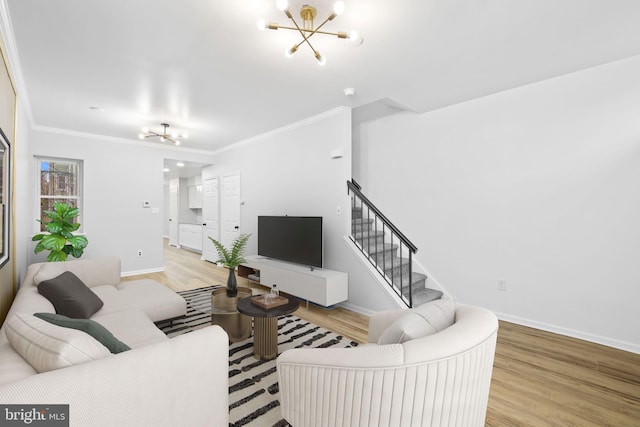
pixel 296 239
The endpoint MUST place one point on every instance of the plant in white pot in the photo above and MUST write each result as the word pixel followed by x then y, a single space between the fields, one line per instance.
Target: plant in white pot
pixel 232 258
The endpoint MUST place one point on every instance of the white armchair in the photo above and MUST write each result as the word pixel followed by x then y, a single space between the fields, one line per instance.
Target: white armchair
pixel 438 380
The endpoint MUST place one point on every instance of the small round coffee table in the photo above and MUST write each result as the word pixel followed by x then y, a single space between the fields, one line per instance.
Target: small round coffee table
pixel 265 325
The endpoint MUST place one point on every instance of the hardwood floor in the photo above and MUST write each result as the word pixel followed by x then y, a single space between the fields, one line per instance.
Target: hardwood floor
pixel 539 378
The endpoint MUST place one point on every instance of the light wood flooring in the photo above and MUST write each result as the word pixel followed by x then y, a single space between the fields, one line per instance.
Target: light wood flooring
pixel 539 378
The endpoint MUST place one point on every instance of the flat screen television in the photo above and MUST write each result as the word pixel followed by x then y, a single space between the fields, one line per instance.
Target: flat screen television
pixel 296 239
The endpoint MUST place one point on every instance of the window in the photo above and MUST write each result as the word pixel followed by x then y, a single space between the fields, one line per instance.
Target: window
pixel 59 180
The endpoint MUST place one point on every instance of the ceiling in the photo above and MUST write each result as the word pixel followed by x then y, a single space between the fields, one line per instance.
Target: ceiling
pixel 203 67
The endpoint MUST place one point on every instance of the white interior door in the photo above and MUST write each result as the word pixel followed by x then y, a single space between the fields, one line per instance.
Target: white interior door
pixel 174 186
pixel 230 208
pixel 210 216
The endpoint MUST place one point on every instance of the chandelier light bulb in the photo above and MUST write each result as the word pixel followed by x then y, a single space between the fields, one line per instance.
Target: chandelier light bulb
pixel 163 139
pixel 261 24
pixel 282 4
pixel 185 135
pixel 353 35
pixel 289 52
pixel 177 142
pixel 321 59
pixel 145 130
pixel 338 8
pixel 141 135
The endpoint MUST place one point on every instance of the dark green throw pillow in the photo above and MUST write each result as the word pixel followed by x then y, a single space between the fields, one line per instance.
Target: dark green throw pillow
pixel 91 327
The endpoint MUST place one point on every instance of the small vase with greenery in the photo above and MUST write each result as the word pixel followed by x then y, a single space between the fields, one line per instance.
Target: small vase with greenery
pixel 231 258
pixel 59 238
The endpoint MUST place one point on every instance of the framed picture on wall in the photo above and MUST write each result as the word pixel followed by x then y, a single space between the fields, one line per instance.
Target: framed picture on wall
pixel 5 197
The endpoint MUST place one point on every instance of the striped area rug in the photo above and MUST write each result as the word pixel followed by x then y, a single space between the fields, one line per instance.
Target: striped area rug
pixel 253 384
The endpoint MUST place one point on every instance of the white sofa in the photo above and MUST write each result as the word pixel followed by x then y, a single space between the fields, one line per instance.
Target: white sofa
pixel 441 379
pixel 159 382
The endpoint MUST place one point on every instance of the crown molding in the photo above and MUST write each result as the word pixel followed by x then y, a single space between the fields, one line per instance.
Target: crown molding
pixel 116 140
pixel 295 125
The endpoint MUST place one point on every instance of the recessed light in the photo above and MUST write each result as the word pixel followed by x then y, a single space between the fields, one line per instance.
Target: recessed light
pixel 180 164
pixel 166 170
pixel 349 91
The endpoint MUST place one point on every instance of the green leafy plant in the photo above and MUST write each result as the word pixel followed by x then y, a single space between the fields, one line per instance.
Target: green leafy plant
pixel 59 238
pixel 231 258
pixel 235 256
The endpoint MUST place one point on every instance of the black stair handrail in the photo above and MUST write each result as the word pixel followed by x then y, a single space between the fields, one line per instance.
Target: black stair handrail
pixel 355 188
pixel 396 282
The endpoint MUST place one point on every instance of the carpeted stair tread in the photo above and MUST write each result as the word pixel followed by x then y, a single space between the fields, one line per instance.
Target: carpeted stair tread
pixel 424 295
pixel 368 234
pixel 379 248
pixel 393 263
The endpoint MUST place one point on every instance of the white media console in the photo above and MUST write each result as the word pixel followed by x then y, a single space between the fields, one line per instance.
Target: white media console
pixel 318 285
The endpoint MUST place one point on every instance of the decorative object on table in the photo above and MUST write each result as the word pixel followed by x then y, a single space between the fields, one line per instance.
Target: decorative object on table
pixel 253 386
pixel 231 259
pixel 59 238
pixel 268 301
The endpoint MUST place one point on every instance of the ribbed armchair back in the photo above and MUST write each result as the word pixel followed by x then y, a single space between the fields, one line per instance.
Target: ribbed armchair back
pixel 439 380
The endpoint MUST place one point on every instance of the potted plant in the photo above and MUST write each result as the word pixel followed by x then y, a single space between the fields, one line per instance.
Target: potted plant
pixel 232 258
pixel 59 238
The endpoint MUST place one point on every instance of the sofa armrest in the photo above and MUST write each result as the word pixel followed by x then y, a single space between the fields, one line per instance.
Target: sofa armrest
pixel 181 381
pixel 380 321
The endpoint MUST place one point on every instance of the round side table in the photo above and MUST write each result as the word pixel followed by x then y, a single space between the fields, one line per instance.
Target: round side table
pixel 265 325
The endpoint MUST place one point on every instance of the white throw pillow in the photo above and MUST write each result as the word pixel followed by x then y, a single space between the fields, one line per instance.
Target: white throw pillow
pixel 46 346
pixel 419 322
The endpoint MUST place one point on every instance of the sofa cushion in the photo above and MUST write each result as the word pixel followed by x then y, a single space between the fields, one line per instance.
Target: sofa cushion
pixel 70 296
pixel 93 272
pixel 155 299
pixel 419 322
pixel 132 327
pixel 46 346
pixel 95 329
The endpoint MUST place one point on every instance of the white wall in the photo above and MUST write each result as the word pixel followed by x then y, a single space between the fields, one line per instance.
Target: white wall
pixel 290 172
pixel 118 177
pixel 537 186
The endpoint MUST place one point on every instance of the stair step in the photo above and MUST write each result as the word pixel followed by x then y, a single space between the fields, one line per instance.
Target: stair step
pixel 368 234
pixel 425 295
pixel 395 267
pixel 377 250
pixel 362 220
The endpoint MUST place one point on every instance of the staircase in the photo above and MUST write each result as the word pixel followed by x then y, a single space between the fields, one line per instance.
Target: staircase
pixel 388 250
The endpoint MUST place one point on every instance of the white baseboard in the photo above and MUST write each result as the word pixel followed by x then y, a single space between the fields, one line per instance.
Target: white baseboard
pixel 357 308
pixel 621 345
pixel 137 272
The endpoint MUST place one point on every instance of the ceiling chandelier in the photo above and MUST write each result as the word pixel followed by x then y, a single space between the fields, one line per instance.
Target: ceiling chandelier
pixel 307 29
pixel 164 136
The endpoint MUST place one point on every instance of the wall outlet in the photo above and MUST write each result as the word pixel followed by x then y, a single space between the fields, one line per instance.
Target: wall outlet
pixel 502 285
pixel 140 252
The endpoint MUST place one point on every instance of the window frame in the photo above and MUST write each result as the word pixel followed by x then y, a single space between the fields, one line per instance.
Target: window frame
pixel 39 196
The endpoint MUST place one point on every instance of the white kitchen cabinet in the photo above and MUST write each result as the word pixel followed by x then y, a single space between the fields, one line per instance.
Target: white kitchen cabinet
pixel 191 236
pixel 195 197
